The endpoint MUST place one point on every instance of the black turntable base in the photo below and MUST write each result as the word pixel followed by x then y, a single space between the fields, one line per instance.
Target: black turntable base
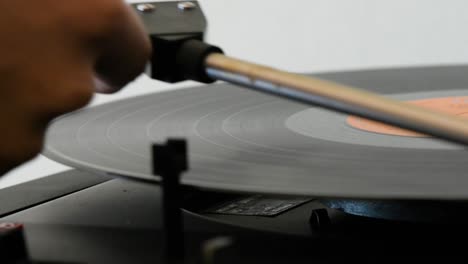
pixel 357 196
pixel 75 217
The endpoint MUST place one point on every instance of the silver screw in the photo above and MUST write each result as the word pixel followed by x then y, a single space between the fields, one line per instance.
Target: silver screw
pixel 186 6
pixel 146 8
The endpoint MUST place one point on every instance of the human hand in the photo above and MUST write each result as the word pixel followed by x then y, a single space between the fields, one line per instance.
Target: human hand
pixel 53 56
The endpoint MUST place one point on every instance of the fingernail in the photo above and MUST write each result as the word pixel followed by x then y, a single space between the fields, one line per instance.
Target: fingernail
pixel 101 86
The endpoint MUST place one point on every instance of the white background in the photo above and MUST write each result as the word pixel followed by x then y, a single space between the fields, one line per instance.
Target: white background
pixel 315 36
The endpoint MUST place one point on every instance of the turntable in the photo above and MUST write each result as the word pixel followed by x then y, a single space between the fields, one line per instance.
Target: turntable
pixel 259 178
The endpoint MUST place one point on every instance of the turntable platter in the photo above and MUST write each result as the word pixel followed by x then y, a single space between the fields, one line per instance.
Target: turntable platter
pixel 244 141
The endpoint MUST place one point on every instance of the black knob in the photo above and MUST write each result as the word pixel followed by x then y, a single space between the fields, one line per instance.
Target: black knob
pixel 319 220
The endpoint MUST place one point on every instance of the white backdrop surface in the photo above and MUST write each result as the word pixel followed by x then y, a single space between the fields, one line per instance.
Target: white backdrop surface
pixel 314 36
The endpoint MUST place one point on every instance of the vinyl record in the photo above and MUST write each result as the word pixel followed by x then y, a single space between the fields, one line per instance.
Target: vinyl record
pixel 244 141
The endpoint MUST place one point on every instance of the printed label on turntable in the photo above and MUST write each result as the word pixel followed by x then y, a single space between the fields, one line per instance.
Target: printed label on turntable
pixel 258 205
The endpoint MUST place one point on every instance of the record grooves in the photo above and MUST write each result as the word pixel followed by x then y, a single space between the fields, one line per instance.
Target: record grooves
pixel 241 141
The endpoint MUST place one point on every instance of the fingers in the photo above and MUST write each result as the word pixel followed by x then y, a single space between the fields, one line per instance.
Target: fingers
pixel 123 52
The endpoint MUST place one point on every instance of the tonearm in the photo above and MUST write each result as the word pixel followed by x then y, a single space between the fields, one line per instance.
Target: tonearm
pixel 177 32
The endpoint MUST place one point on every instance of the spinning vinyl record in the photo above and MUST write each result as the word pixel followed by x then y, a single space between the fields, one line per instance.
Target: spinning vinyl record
pixel 244 141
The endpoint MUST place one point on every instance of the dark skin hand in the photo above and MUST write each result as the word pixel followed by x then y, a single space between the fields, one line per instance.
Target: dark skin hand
pixel 52 53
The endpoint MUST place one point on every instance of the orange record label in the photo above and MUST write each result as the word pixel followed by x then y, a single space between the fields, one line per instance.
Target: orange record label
pixel 451 105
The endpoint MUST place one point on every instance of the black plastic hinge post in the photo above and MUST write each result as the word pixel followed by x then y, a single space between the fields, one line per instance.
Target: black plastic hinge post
pixel 169 162
pixel 13 243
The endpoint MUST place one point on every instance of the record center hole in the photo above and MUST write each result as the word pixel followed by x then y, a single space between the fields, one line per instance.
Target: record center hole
pixel 452 105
